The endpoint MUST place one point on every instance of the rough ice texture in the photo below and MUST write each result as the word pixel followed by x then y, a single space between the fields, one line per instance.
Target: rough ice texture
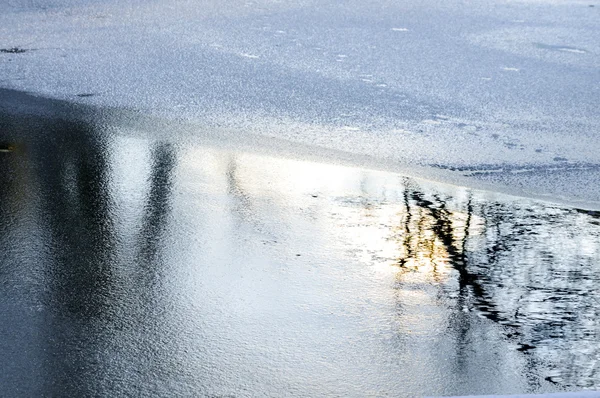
pixel 582 394
pixel 495 94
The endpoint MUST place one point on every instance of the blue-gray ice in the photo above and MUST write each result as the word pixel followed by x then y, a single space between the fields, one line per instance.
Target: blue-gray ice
pixel 493 94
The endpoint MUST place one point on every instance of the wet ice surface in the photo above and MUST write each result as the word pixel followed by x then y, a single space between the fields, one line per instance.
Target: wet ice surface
pixel 136 262
pixel 484 85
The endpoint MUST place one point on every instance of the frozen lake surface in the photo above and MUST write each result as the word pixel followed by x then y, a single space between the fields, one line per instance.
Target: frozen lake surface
pixel 245 198
pixel 493 94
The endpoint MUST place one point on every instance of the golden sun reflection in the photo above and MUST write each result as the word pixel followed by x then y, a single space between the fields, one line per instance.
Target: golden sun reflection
pixel 380 219
pixel 416 241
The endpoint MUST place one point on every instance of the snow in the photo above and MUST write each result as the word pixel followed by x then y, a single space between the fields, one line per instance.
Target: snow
pixel 518 82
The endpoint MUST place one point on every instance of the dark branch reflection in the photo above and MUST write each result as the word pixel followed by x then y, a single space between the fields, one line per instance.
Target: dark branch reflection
pixel 510 273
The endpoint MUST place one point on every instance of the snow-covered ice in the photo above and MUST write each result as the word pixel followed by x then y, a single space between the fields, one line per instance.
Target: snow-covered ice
pixel 519 81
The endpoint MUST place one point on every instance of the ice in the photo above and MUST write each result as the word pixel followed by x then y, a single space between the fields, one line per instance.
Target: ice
pixel 523 74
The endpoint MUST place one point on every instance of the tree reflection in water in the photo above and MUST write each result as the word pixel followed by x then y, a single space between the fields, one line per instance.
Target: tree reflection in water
pixel 60 185
pixel 119 285
pixel 532 269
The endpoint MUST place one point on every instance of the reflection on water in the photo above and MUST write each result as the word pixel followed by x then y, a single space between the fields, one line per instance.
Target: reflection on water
pixel 132 265
pixel 527 267
pixel 157 206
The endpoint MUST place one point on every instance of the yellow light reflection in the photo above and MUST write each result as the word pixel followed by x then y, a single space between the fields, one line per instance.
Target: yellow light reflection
pixel 378 218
